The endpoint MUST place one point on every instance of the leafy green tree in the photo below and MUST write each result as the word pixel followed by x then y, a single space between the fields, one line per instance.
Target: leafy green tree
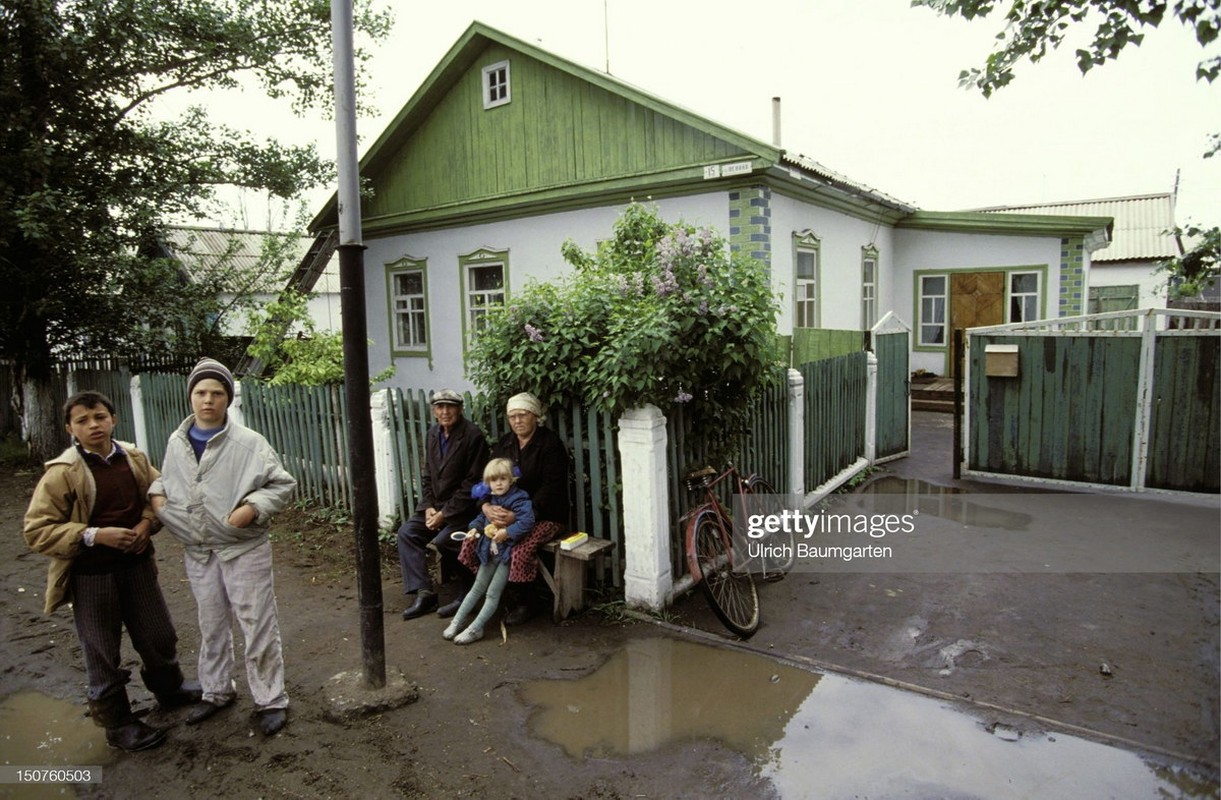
pixel 288 343
pixel 1198 268
pixel 89 176
pixel 1032 29
pixel 661 314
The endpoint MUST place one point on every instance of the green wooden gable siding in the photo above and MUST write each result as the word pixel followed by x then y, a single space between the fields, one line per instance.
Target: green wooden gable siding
pixel 557 131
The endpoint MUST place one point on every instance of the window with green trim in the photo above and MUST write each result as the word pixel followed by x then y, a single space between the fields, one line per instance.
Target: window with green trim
pixel 1023 296
pixel 934 299
pixel 805 280
pixel 407 292
pixel 484 277
pixel 869 288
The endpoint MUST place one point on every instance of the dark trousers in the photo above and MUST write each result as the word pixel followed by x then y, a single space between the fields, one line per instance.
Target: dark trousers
pixel 102 605
pixel 413 537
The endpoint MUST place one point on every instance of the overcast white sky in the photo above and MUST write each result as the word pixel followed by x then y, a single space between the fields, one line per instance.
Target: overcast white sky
pixel 868 88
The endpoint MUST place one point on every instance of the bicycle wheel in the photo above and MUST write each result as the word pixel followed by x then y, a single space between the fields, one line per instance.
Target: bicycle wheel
pixel 731 595
pixel 772 567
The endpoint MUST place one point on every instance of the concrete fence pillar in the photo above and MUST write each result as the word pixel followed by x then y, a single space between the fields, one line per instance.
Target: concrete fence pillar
pixel 797 435
pixel 138 418
pixel 871 406
pixel 647 577
pixel 386 480
pixel 235 408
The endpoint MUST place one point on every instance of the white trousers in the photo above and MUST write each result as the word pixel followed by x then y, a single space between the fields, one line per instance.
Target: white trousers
pixel 242 589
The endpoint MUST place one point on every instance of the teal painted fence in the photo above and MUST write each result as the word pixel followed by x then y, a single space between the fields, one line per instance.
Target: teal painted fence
pixel 835 391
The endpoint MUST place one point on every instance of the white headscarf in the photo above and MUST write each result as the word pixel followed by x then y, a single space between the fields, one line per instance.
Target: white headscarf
pixel 525 402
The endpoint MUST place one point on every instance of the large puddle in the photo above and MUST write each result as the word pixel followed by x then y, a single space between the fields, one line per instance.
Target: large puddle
pixel 40 731
pixel 826 736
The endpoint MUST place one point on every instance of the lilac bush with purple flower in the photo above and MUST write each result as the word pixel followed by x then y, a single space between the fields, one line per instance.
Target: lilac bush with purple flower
pixel 661 313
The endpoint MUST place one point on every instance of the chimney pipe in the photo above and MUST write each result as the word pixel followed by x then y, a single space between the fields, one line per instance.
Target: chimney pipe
pixel 776 121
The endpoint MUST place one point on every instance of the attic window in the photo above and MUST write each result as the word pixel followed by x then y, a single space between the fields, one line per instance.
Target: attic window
pixel 496 84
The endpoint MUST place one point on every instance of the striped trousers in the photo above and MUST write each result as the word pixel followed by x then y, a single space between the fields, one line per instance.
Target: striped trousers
pixel 102 605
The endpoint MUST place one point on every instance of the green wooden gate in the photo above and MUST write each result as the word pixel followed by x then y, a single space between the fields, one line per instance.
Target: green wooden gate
pixel 891 340
pixel 1127 399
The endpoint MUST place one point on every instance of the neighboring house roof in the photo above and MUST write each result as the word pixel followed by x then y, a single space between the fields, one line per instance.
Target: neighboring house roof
pixel 201 251
pixel 1143 229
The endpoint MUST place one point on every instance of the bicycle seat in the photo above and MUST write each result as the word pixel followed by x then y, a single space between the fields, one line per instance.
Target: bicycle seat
pixel 699 478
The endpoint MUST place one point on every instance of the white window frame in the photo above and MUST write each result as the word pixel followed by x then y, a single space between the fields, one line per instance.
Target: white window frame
pixel 869 288
pixel 477 302
pixel 807 292
pixel 1029 300
pixel 412 306
pixel 944 297
pixel 495 86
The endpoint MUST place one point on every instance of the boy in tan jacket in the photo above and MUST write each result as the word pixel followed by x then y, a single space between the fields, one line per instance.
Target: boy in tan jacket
pixel 90 514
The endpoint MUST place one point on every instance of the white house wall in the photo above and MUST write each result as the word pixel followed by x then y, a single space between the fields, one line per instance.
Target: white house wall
pixel 841 239
pixel 533 246
pixel 918 251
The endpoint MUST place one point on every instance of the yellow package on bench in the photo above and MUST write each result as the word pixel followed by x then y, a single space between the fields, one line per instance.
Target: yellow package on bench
pixel 574 541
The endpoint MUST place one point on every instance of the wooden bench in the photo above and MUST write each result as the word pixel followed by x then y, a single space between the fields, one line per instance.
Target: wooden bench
pixel 568 581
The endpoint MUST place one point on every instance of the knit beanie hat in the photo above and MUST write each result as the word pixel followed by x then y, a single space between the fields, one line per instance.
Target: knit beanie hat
pixel 211 368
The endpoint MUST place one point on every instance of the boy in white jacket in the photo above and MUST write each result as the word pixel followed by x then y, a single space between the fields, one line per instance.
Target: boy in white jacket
pixel 220 485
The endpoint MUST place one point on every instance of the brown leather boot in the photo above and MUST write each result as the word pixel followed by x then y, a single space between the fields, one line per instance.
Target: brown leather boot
pixel 123 729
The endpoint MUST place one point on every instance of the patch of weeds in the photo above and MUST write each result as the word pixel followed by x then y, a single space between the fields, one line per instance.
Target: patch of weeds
pixel 859 479
pixel 618 612
pixel 15 454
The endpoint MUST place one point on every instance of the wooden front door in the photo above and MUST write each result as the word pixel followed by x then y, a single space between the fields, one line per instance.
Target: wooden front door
pixel 976 298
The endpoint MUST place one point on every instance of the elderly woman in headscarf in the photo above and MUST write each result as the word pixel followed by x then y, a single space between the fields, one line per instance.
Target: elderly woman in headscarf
pixel 541 461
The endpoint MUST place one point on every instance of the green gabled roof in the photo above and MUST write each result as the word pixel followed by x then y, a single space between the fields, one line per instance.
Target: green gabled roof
pixel 571 136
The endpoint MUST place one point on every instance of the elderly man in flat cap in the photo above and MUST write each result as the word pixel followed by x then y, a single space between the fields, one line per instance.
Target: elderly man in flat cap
pixel 455 454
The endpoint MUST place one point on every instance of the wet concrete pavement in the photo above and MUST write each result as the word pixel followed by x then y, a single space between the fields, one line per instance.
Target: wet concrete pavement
pixel 1129 659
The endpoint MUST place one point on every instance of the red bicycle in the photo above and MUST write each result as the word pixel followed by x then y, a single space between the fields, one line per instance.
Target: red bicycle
pixel 726 579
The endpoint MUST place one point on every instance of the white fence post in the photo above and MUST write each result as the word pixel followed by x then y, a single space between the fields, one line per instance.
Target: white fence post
pixel 871 406
pixel 385 473
pixel 138 419
pixel 235 408
pixel 646 526
pixel 797 435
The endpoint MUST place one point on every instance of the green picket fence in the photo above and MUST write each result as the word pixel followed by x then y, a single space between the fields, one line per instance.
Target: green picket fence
pixel 307 426
pixel 166 405
pixel 835 391
pixel 595 493
pixel 763 449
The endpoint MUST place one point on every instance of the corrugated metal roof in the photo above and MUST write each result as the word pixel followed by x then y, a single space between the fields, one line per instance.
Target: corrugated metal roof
pixel 842 181
pixel 201 250
pixel 1143 224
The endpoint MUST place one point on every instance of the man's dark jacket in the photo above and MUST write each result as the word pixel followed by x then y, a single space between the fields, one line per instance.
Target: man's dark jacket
pixel 447 480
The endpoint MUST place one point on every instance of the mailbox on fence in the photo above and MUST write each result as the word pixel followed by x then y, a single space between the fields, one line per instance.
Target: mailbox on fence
pixel 1001 360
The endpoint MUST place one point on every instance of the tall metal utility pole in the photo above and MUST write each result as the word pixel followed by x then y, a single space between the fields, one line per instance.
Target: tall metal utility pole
pixel 356 353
